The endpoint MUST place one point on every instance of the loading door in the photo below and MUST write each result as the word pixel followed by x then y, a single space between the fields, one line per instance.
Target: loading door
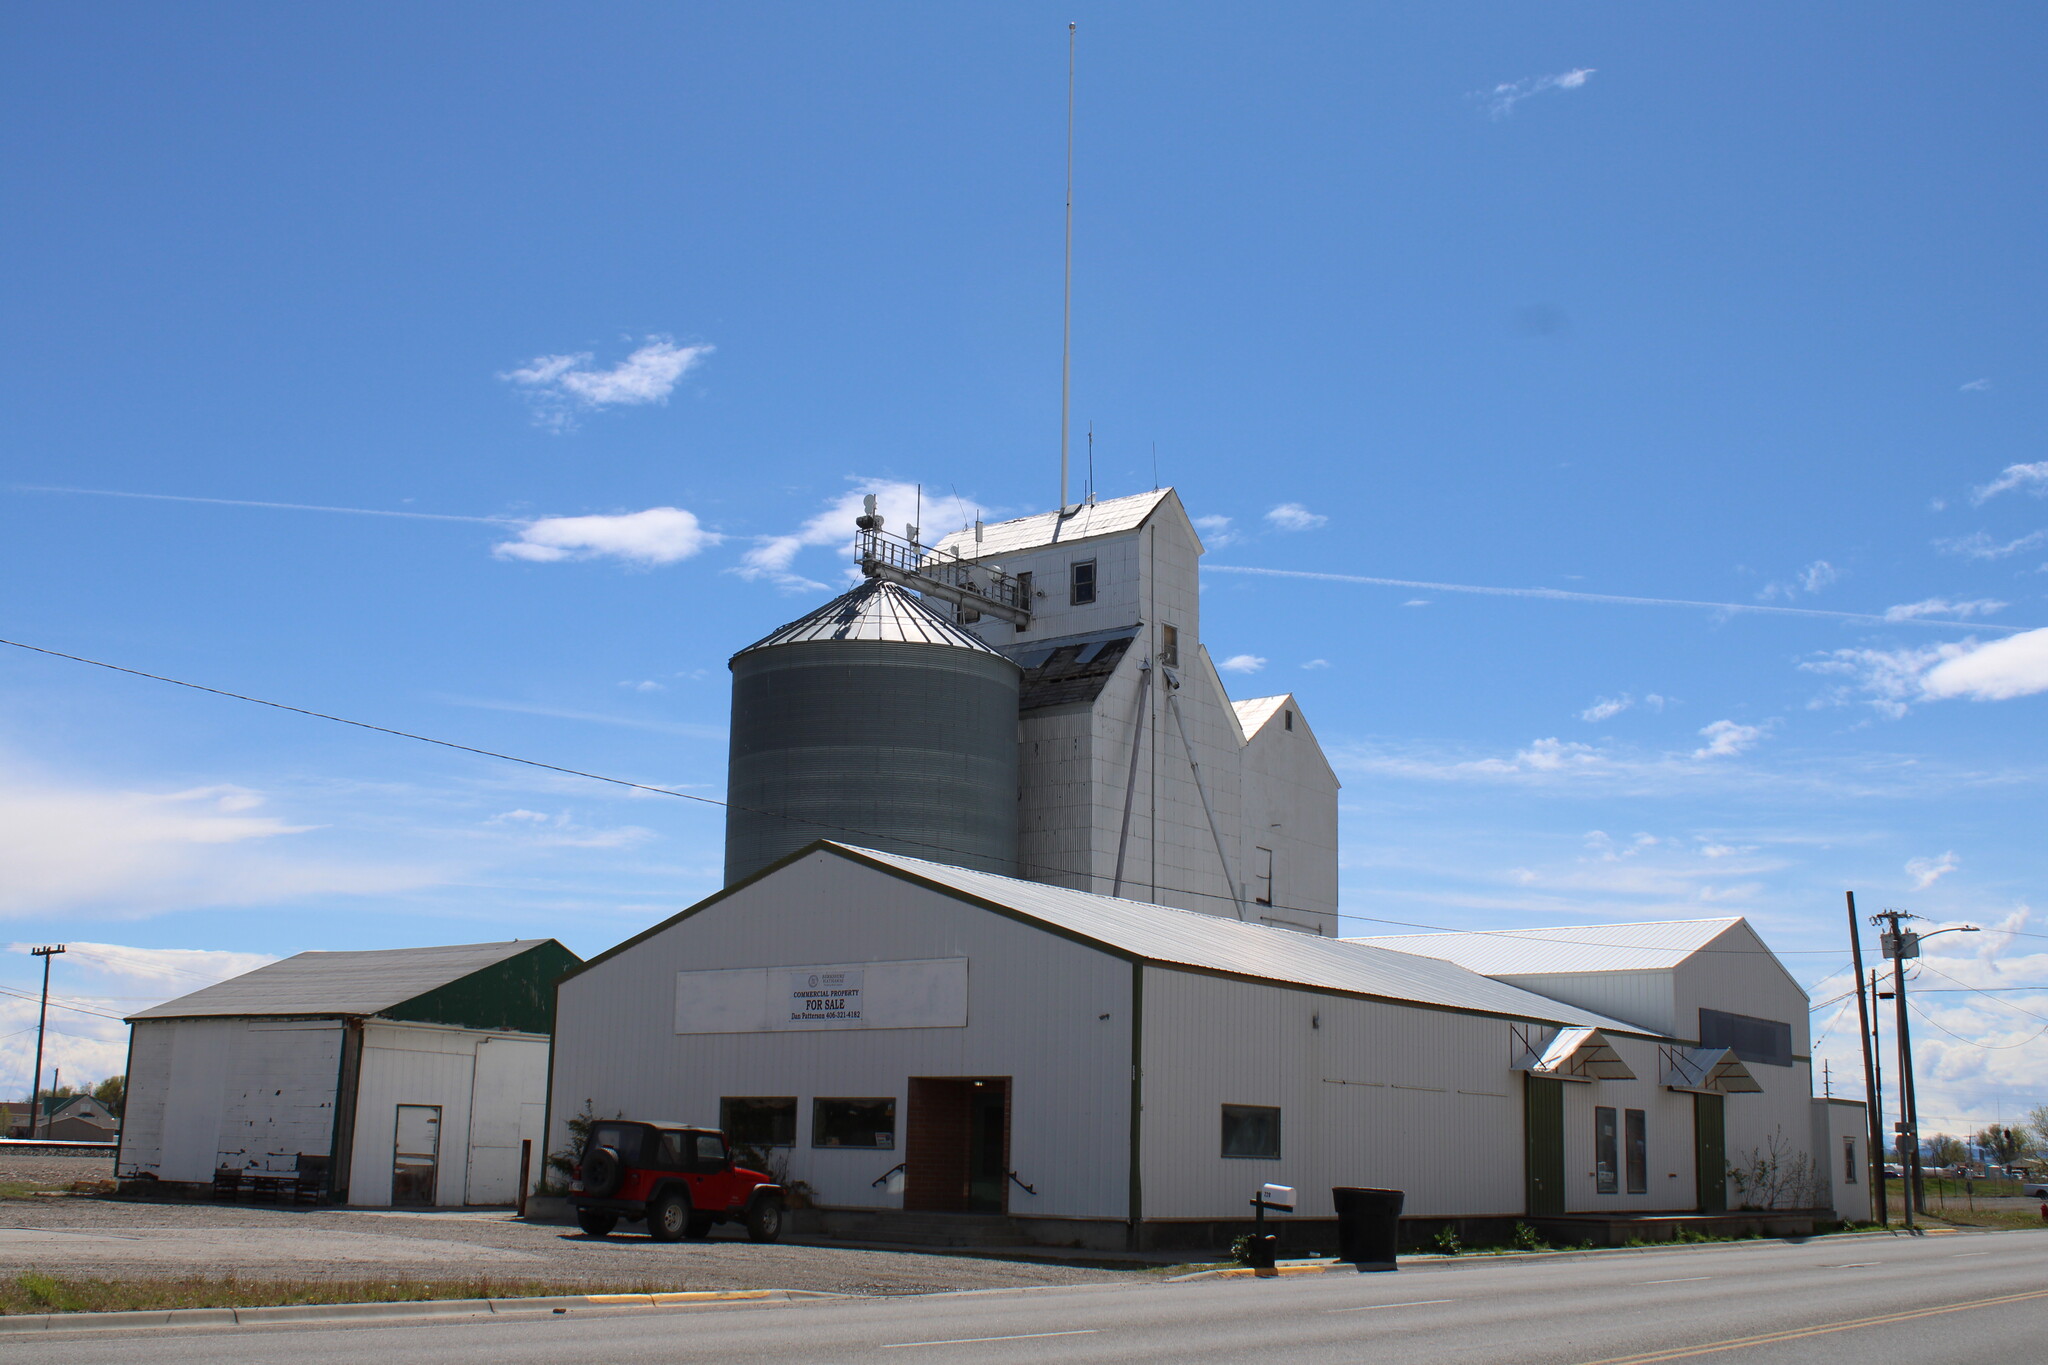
pixel 416 1154
pixel 956 1153
pixel 495 1103
pixel 1710 1153
pixel 1543 1138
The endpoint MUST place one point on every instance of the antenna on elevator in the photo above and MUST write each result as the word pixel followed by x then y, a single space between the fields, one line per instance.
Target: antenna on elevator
pixel 1091 464
pixel 1067 315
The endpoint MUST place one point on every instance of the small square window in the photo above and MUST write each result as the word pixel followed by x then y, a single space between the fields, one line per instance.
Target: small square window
pixel 759 1121
pixel 1849 1161
pixel 1169 646
pixel 1083 580
pixel 853 1123
pixel 1251 1130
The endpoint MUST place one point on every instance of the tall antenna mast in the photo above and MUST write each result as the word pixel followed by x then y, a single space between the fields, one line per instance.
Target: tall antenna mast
pixel 1067 320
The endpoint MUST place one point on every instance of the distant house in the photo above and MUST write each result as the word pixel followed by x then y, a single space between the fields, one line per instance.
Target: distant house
pixel 405 1076
pixel 65 1118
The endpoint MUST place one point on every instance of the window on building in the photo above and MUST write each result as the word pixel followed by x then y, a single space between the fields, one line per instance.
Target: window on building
pixel 1606 1166
pixel 1290 719
pixel 1169 646
pixel 1024 597
pixel 853 1123
pixel 759 1120
pixel 1251 1130
pixel 1765 1041
pixel 1849 1161
pixel 1262 875
pixel 1635 1133
pixel 1083 583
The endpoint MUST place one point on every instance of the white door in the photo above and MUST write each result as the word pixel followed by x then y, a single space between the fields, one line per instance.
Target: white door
pixel 416 1154
pixel 495 1097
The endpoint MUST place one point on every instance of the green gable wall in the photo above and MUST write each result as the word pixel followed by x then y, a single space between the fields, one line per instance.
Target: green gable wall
pixel 517 994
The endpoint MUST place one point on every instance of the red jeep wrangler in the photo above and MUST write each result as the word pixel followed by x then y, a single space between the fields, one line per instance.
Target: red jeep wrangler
pixel 679 1178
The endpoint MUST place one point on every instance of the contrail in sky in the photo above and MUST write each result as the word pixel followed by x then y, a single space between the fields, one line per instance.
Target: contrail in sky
pixel 1560 595
pixel 279 506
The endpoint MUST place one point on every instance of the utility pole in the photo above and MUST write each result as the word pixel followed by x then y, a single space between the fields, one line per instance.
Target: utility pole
pixel 1875 1142
pixel 1900 944
pixel 35 1101
pixel 1876 1055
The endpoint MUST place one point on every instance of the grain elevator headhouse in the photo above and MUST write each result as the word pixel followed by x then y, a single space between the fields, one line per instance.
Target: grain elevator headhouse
pixel 1131 772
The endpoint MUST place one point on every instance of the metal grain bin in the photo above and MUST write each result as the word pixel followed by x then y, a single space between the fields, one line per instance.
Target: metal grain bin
pixel 873 721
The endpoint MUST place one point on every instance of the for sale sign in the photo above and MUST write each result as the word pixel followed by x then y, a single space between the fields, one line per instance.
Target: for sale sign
pixel 825 998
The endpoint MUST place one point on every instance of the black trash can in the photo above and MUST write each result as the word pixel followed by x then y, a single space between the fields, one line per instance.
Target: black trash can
pixel 1368 1226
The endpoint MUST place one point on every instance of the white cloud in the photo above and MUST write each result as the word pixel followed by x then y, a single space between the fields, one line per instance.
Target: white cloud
pixel 561 831
pixel 1216 532
pixel 1925 872
pixel 644 685
pixel 1242 663
pixel 1977 386
pixel 1606 708
pixel 1543 756
pixel 1292 516
pixel 1502 99
pixel 1941 606
pixel 1653 702
pixel 2030 478
pixel 2016 666
pixel 1416 602
pixel 1980 545
pixel 133 853
pixel 772 556
pixel 1317 663
pixel 558 384
pixel 659 535
pixel 1811 579
pixel 1726 738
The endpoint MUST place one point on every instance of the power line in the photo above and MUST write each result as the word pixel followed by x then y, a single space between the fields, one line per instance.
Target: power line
pixel 55 1004
pixel 1513 935
pixel 1964 985
pixel 1988 1047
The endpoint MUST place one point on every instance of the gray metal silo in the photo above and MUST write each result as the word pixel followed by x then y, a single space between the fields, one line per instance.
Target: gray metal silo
pixel 873 721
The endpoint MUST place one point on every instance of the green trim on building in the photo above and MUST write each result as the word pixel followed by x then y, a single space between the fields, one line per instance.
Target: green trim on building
pixel 516 995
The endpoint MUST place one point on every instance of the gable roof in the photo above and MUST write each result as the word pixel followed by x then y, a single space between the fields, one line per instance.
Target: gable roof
pixel 1254 712
pixel 1050 528
pixel 357 983
pixel 1189 939
pixel 1655 946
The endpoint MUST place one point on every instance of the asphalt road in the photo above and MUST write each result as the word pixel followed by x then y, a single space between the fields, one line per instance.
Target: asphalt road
pixel 1960 1298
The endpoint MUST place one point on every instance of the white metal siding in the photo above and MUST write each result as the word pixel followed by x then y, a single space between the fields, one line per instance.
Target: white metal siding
pixel 279 1097
pixel 511 1077
pixel 252 1094
pixel 1668 1123
pixel 1641 998
pixel 431 1064
pixel 1036 1003
pixel 1376 1095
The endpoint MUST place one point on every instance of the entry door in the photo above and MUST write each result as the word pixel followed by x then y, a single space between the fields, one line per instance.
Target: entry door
pixel 1543 1145
pixel 416 1154
pixel 1710 1153
pixel 957 1145
pixel 494 1120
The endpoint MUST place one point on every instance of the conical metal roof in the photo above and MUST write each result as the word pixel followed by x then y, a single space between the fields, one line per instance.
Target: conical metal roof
pixel 875 610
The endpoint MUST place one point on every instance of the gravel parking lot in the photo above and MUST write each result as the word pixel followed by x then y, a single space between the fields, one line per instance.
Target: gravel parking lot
pixel 124 1239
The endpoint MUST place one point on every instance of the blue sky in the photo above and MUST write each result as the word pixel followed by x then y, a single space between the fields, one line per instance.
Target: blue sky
pixel 1729 306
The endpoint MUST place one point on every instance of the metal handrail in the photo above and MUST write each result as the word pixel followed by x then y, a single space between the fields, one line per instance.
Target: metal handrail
pixel 884 1176
pixel 1028 1189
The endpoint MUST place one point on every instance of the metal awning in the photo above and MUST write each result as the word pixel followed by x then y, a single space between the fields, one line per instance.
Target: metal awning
pixel 1705 1071
pixel 1577 1054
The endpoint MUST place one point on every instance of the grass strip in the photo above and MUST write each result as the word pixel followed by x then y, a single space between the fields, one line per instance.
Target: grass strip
pixel 32 1292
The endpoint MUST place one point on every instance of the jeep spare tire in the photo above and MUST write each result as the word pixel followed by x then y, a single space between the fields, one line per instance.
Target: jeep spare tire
pixel 601 1171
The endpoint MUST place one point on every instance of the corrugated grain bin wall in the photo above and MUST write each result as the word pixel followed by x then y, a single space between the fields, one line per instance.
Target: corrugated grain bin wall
pixel 901 746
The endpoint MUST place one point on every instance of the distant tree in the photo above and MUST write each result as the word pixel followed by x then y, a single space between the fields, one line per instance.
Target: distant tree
pixel 1943 1150
pixel 2038 1121
pixel 2007 1143
pixel 113 1093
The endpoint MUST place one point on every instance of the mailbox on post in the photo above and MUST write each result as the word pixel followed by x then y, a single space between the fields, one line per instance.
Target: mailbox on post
pixel 1264 1248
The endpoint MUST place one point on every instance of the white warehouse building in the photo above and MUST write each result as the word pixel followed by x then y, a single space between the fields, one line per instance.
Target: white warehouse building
pixel 1027 921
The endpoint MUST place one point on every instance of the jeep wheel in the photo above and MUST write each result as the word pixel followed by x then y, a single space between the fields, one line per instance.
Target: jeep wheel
pixel 668 1217
pixel 596 1222
pixel 764 1220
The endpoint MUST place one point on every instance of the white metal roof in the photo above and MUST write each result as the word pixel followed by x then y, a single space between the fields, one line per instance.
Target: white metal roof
pixel 1256 711
pixel 1050 528
pixel 875 610
pixel 1187 938
pixel 1656 946
pixel 360 983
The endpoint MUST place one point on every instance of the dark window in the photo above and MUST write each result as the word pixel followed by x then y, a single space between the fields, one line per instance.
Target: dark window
pixel 756 1121
pixel 1024 597
pixel 853 1123
pixel 1262 875
pixel 1636 1134
pixel 1251 1130
pixel 1290 720
pixel 1765 1041
pixel 697 1152
pixel 1849 1160
pixel 1169 646
pixel 1605 1172
pixel 623 1138
pixel 1083 583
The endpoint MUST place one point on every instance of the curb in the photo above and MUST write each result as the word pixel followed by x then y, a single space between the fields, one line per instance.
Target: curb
pixel 1491 1258
pixel 412 1308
